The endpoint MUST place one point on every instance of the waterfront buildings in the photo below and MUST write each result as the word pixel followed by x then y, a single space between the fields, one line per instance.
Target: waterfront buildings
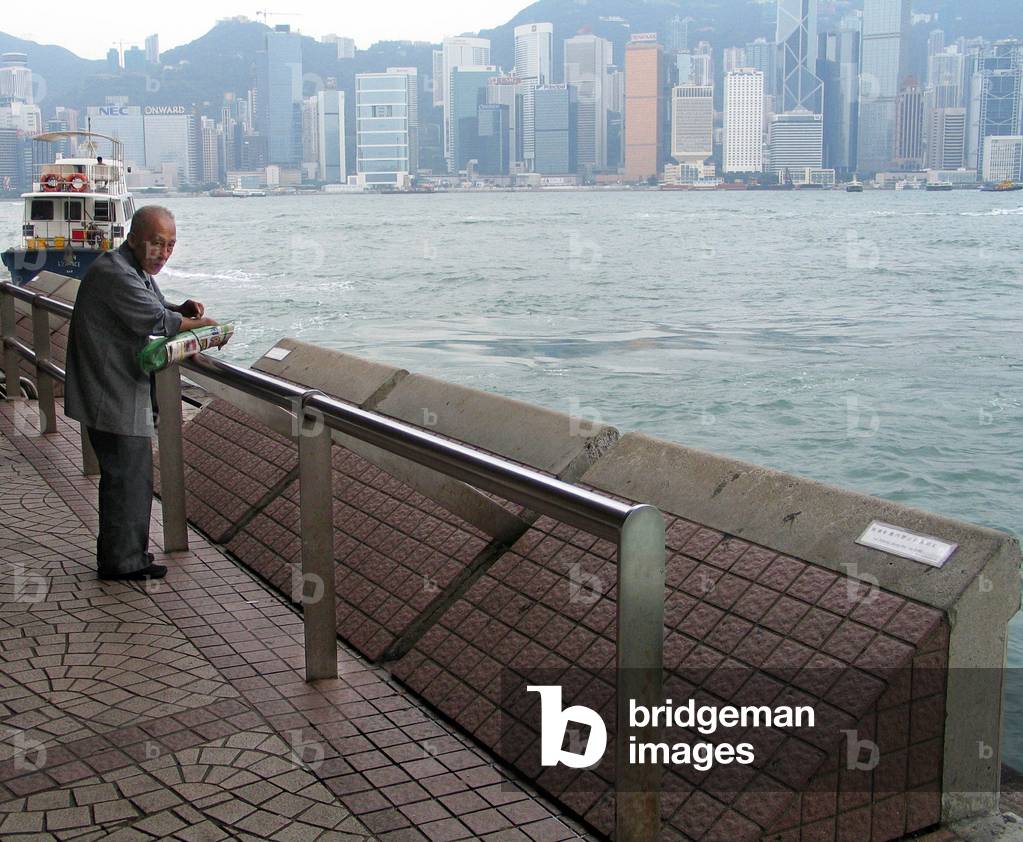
pixel 1003 158
pixel 383 126
pixel 644 108
pixel 762 55
pixel 555 141
pixel 503 91
pixel 796 143
pixel 796 35
pixel 494 145
pixel 909 127
pixel 692 123
pixel 15 78
pixel 838 65
pixel 885 50
pixel 743 134
pixel 123 123
pixel 587 59
pixel 173 138
pixel 997 94
pixel 153 49
pixel 330 134
pixel 279 115
pixel 946 138
pixel 457 52
pixel 468 91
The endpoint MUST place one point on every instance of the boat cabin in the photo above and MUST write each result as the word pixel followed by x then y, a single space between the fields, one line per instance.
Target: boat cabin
pixel 77 203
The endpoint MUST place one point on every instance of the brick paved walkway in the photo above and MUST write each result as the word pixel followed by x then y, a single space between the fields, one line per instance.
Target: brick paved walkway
pixel 178 710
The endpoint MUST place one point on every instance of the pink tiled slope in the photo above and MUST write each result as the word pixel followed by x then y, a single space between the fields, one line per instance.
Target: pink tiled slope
pixel 743 625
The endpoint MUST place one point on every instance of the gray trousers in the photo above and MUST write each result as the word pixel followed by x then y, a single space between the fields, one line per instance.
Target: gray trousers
pixel 125 500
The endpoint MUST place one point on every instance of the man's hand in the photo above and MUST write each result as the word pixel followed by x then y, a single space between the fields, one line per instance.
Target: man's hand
pixel 192 309
pixel 192 324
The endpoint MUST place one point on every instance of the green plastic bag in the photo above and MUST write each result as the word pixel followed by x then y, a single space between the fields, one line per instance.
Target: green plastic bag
pixel 164 351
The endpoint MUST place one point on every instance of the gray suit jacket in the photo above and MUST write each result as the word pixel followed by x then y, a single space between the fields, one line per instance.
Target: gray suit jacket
pixel 118 307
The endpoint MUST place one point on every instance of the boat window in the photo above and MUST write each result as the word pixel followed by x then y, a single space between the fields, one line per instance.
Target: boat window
pixel 42 209
pixel 73 210
pixel 101 212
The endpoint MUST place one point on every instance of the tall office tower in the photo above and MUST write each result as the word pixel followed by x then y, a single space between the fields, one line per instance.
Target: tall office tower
pixel 692 123
pixel 15 78
pixel 503 90
pixel 555 131
pixel 412 99
pixel 838 66
pixel 743 136
pixel 733 58
pixel 123 123
pixel 909 127
pixel 644 107
pixel 703 65
pixel 69 116
pixel 935 43
pixel 678 33
pixel 279 101
pixel 998 88
pixel 153 49
pixel 310 131
pixel 946 138
pixel 494 152
pixel 468 92
pixel 534 52
pixel 796 143
pixel 438 78
pixel 211 163
pixel 135 60
pixel 113 60
pixel 330 114
pixel 884 52
pixel 172 137
pixel 1003 158
pixel 616 119
pixel 587 59
pixel 382 128
pixel 796 36
pixel 762 55
pixel 945 74
pixel 458 52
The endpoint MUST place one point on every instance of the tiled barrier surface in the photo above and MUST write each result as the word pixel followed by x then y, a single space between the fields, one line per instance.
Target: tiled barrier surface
pixel 52 286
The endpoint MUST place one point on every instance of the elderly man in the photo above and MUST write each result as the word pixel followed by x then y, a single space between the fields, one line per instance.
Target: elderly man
pixel 119 306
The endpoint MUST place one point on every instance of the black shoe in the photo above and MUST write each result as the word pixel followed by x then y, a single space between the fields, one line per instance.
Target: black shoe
pixel 154 571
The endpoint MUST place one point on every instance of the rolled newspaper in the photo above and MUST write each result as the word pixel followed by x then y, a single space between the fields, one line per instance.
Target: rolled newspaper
pixel 164 351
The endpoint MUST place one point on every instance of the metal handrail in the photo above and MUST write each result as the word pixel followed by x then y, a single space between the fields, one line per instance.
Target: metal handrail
pixel 637 529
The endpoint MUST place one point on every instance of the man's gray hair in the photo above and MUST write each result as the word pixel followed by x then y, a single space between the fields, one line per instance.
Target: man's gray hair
pixel 145 215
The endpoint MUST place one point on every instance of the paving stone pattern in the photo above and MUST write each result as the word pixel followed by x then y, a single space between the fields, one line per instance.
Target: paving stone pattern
pixel 179 710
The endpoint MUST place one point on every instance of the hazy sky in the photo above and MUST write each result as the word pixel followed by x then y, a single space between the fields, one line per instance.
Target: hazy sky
pixel 90 29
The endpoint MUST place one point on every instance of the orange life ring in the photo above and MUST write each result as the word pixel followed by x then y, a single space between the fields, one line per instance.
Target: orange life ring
pixel 77 183
pixel 51 181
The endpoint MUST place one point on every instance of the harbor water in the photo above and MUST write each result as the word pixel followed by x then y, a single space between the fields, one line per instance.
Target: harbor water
pixel 872 340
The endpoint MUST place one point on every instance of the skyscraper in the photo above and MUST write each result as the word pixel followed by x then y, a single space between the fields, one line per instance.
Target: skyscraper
pixel 135 60
pixel 587 59
pixel 744 121
pixel 909 127
pixel 946 138
pixel 494 157
pixel 692 123
pixel 796 143
pixel 555 131
pixel 468 92
pixel 458 52
pixel 644 107
pixel 279 115
pixel 884 53
pixel 153 49
pixel 1003 158
pixel 503 90
pixel 733 58
pixel 534 52
pixel 839 68
pixel 796 36
pixel 330 119
pixel 998 83
pixel 678 33
pixel 762 55
pixel 15 78
pixel 382 128
pixel 211 162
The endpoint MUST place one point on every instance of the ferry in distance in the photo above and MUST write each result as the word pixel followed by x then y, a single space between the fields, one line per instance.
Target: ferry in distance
pixel 78 208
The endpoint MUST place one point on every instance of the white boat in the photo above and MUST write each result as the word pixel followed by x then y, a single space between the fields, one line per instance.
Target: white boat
pixel 78 209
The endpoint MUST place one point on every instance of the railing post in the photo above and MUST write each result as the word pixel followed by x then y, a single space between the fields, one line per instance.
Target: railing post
pixel 44 382
pixel 640 649
pixel 317 518
pixel 8 327
pixel 172 460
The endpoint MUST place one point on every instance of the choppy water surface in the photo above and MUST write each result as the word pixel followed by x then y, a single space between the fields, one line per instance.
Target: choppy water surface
pixel 868 340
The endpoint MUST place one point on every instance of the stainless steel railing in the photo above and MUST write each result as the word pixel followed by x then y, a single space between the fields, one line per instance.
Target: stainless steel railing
pixel 638 530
